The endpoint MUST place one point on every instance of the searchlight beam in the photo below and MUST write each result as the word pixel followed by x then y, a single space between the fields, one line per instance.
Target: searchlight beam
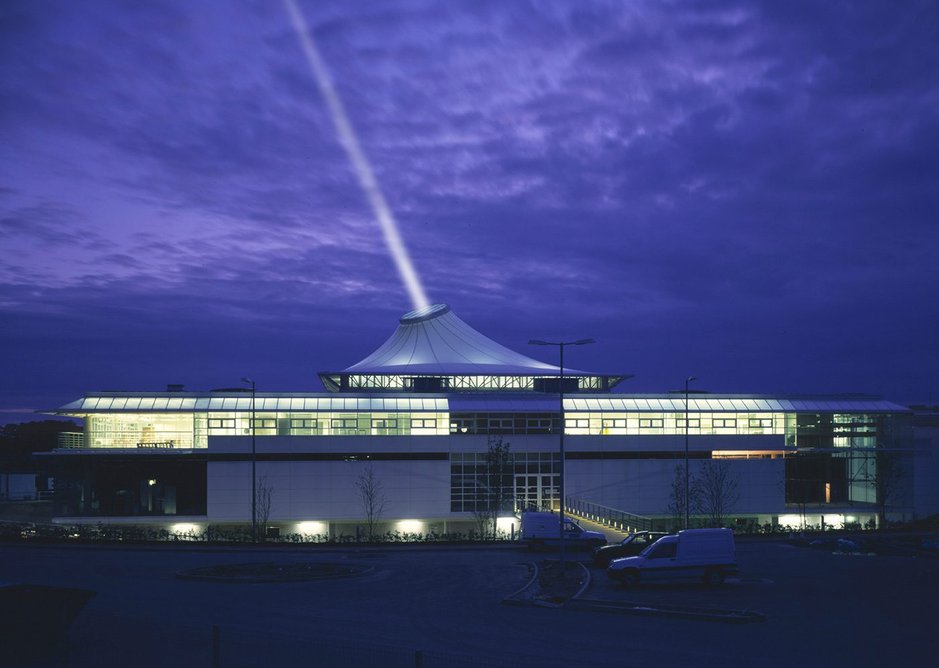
pixel 360 163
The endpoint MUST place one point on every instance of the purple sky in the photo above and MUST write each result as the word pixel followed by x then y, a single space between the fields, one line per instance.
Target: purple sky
pixel 746 192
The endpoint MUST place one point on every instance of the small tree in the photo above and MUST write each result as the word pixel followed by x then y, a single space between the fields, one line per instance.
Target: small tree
pixel 262 505
pixel 887 479
pixel 493 487
pixel 676 499
pixel 373 499
pixel 719 488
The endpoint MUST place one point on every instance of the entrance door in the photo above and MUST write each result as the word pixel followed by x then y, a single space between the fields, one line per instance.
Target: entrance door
pixel 534 492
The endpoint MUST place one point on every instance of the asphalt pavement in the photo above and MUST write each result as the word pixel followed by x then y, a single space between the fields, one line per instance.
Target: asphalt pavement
pixel 436 606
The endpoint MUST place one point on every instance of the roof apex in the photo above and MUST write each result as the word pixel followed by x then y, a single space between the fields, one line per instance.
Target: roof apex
pixel 433 340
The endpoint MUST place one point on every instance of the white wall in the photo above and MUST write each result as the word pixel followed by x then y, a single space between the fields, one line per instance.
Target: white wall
pixel 643 486
pixel 326 490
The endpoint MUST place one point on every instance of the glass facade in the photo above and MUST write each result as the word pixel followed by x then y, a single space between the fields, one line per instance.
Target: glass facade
pixel 192 430
pixel 838 457
pixel 530 481
pixel 145 430
pixel 850 436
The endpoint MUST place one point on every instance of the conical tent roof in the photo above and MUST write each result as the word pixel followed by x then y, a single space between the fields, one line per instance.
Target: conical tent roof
pixel 434 341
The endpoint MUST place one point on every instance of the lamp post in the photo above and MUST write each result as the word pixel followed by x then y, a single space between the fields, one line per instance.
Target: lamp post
pixel 254 495
pixel 687 473
pixel 560 345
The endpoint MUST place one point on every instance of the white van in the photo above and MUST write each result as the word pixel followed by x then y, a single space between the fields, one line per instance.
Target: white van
pixel 542 530
pixel 696 554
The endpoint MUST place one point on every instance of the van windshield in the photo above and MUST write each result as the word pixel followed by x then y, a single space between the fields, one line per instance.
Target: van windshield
pixel 648 552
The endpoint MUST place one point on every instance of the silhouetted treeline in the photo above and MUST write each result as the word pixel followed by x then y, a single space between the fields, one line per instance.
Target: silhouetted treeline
pixel 19 441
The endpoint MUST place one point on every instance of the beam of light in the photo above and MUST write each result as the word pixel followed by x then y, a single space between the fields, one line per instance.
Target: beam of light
pixel 362 167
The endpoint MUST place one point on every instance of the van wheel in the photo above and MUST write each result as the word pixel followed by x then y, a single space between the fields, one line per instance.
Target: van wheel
pixel 713 578
pixel 630 578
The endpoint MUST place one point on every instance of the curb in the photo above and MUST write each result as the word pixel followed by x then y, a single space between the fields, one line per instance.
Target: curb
pixel 586 584
pixel 519 599
pixel 671 611
pixel 512 599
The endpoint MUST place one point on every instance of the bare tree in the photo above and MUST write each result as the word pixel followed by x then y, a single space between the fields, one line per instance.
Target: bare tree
pixel 493 487
pixel 719 488
pixel 887 479
pixel 262 499
pixel 373 499
pixel 676 498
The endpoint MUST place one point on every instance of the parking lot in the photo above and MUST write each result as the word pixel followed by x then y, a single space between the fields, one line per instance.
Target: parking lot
pixel 820 608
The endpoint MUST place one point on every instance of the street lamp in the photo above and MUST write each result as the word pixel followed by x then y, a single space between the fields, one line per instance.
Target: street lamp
pixel 687 474
pixel 254 496
pixel 560 345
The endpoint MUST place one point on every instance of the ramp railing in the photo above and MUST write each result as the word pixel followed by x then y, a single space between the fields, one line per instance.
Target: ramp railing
pixel 611 517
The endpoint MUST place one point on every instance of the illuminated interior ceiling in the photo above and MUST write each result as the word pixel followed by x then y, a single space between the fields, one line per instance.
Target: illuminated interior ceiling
pixel 433 342
pixel 195 402
pixel 143 402
pixel 731 403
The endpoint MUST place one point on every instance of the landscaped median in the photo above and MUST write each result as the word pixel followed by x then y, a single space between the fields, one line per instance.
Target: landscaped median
pixel 548 586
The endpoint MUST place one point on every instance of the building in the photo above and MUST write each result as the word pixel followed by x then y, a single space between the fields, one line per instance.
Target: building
pixel 422 412
pixel 925 460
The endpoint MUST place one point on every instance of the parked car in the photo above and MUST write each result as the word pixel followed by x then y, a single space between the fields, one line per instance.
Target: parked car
pixel 542 531
pixel 698 554
pixel 630 546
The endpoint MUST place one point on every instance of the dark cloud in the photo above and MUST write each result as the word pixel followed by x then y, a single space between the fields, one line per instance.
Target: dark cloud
pixel 42 223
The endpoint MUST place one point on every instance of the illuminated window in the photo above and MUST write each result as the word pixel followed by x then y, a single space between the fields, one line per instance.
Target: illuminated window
pixel 747 454
pixel 615 423
pixel 651 423
pixel 221 423
pixel 343 423
pixel 423 423
pixel 264 423
pixel 576 423
pixel 303 423
pixel 761 423
pixel 693 423
pixel 384 423
pixel 725 423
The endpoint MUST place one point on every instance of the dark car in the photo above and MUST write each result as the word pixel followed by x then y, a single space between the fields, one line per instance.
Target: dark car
pixel 630 546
